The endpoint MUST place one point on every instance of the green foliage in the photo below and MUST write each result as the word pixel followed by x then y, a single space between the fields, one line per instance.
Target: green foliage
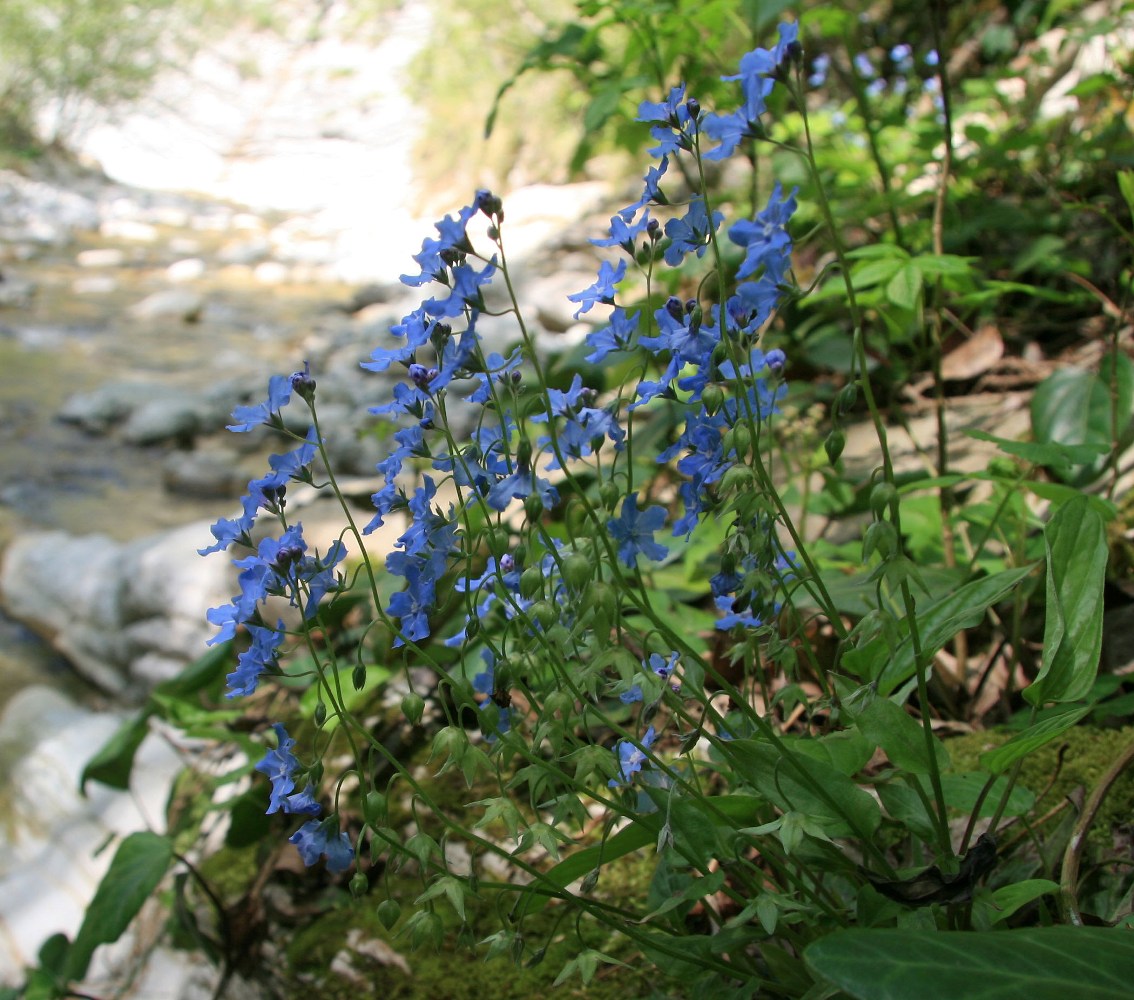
pixel 139 864
pixel 779 780
pixel 1047 963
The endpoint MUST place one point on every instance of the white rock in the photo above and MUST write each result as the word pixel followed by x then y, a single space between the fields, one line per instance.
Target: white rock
pixel 174 302
pixel 270 272
pixel 189 269
pixel 102 257
pixel 94 285
pixel 49 870
pixel 128 229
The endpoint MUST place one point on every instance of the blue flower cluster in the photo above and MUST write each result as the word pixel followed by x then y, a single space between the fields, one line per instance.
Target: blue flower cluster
pixel 278 567
pixel 315 839
pixel 702 356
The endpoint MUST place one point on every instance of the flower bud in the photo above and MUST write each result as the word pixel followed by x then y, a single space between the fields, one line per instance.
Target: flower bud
pixel 738 479
pixel 881 496
pixel 320 713
pixel 544 614
pixel 359 885
pixel 845 400
pixel 834 445
pixel 577 571
pixel 374 808
pixel 531 583
pixel 358 677
pixel 302 384
pixel 389 911
pixel 880 537
pixel 712 396
pixel 413 707
pixel 602 597
pixel 533 506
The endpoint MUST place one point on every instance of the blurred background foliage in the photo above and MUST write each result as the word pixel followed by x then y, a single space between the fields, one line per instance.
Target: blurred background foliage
pixel 1034 237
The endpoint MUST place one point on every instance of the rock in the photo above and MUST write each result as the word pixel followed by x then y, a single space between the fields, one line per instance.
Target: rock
pixel 208 474
pixel 270 272
pixel 68 590
pixel 248 252
pixel 49 869
pixel 94 285
pixel 189 269
pixel 174 302
pixel 552 307
pixel 101 409
pixel 371 295
pixel 167 418
pixel 15 292
pixel 128 229
pixel 107 606
pixel 102 257
pixel 39 212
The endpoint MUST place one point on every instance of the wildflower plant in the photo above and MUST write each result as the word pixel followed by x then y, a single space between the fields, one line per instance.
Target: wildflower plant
pixel 617 606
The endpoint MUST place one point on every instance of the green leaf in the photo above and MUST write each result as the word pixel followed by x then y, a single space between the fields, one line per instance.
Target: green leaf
pixel 903 739
pixel 1049 453
pixel 964 608
pixel 1072 407
pixel 1008 899
pixel 904 288
pixel 113 763
pixel 1075 539
pixel 1046 963
pixel 139 864
pixel 1126 186
pixel 1117 374
pixel 1000 759
pixel 796 782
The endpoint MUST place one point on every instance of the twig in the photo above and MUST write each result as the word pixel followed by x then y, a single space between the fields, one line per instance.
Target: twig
pixel 1074 853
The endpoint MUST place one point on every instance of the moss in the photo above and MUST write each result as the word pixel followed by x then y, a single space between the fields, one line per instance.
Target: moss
pixel 231 871
pixel 458 970
pixel 1077 759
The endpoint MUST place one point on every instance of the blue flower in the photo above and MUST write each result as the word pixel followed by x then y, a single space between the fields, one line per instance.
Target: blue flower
pixel 623 234
pixel 247 418
pixel 631 759
pixel 464 293
pixel 691 232
pixel 651 194
pixel 258 657
pixel 497 369
pixel 412 605
pixel 518 486
pixel 316 839
pixel 280 766
pixel 683 332
pixel 303 803
pixel 416 328
pixel 436 255
pixel 634 531
pixel 765 239
pixel 614 337
pixel 602 290
pixel 229 530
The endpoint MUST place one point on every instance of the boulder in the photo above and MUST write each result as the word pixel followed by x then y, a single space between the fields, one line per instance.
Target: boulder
pixel 180 303
pixel 126 615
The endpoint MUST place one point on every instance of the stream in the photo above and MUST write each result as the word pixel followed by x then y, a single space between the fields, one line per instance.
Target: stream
pixel 141 298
